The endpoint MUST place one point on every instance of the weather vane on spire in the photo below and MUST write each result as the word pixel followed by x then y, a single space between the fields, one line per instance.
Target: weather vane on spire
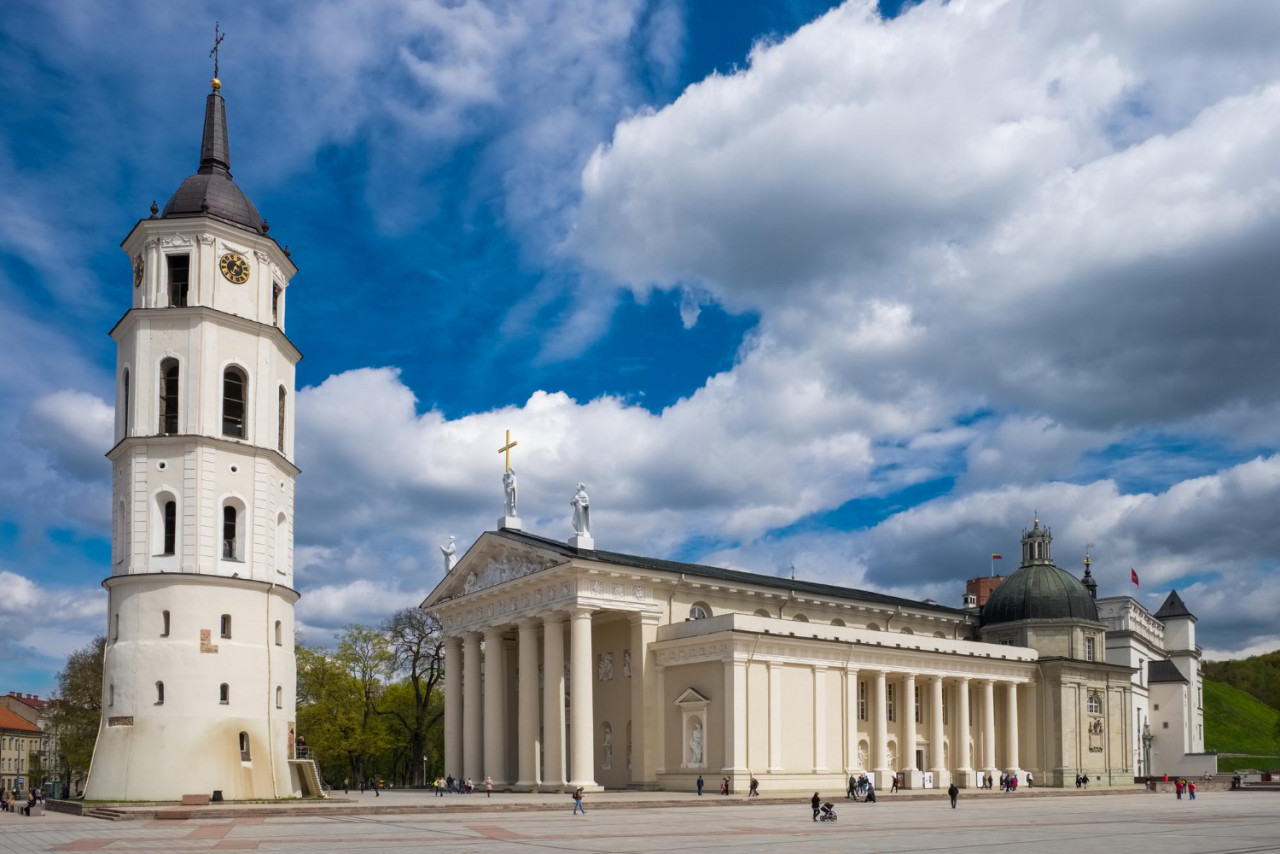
pixel 218 36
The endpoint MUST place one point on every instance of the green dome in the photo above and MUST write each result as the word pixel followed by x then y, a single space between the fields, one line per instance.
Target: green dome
pixel 1039 592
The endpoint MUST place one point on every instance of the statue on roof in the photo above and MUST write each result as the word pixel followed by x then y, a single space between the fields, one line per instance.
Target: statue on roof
pixel 581 511
pixel 509 484
pixel 450 553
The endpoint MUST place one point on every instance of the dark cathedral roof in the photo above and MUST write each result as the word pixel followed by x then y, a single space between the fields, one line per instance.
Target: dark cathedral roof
pixel 1173 607
pixel 211 192
pixel 1039 592
pixel 1164 670
pixel 716 573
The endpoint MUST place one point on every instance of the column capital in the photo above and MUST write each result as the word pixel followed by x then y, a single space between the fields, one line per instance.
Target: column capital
pixel 579 612
pixel 492 633
pixel 852 668
pixel 774 665
pixel 936 679
pixel 528 624
pixel 553 618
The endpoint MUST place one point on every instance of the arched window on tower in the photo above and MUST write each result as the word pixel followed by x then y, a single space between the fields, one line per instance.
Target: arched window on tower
pixel 124 398
pixel 233 398
pixel 159 693
pixel 279 697
pixel 244 747
pixel 169 396
pixel 284 399
pixel 279 634
pixel 276 290
pixel 229 532
pixel 165 632
pixel 179 279
pixel 170 527
pixel 224 694
pixel 282 545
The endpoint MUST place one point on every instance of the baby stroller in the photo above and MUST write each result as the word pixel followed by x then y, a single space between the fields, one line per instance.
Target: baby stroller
pixel 828 813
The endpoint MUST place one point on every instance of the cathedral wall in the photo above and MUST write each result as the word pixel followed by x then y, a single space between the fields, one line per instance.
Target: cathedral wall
pixel 611 701
pixel 797 718
pixel 833 756
pixel 758 717
pixel 707 678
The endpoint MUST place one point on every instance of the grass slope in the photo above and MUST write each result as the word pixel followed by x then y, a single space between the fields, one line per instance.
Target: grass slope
pixel 1237 722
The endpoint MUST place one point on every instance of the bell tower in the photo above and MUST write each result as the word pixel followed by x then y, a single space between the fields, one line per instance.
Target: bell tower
pixel 199 674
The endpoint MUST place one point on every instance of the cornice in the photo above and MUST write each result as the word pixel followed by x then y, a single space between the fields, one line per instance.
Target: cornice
pixel 225 444
pixel 204 312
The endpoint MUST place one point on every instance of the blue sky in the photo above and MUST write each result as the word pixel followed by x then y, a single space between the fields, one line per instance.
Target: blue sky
pixel 856 288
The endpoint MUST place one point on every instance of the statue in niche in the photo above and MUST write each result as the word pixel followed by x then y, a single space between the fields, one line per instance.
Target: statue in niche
pixel 695 745
pixel 862 756
pixel 509 484
pixel 626 663
pixel 606 752
pixel 450 553
pixel 581 511
pixel 604 667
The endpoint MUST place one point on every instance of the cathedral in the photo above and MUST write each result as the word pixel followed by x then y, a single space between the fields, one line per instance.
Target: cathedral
pixel 199 672
pixel 571 666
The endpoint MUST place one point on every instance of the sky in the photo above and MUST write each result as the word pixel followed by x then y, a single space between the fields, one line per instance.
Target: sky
pixel 854 288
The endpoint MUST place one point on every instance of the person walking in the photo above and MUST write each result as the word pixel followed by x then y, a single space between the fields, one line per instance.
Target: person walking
pixel 1029 783
pixel 1191 789
pixel 953 793
pixel 700 785
pixel 896 784
pixel 577 802
pixel 852 786
pixel 816 803
pixel 1177 787
pixel 871 790
pixel 754 791
pixel 488 786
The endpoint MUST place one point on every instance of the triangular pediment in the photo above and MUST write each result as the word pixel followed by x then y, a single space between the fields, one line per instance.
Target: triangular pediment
pixel 491 561
pixel 691 697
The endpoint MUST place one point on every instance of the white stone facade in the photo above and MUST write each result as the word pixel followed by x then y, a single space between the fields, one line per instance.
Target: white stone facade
pixel 199 674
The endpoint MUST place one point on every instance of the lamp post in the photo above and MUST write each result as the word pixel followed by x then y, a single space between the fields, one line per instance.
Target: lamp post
pixel 425 781
pixel 1146 746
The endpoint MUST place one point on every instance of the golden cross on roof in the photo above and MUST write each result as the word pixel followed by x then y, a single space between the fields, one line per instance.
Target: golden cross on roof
pixel 506 449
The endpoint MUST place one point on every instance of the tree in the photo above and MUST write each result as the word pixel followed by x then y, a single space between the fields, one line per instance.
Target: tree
pixel 364 655
pixel 77 708
pixel 416 645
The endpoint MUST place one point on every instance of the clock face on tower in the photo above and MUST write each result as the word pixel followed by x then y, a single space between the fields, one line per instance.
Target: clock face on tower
pixel 234 267
pixel 137 270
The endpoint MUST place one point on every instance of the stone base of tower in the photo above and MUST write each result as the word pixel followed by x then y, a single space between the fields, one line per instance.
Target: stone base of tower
pixel 199 684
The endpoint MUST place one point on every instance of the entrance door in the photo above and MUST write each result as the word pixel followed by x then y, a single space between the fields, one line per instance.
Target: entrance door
pixel 919 760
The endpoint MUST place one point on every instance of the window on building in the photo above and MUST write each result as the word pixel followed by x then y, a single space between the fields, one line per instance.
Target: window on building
pixel 226 625
pixel 1164 725
pixel 124 395
pixel 698 611
pixel 159 693
pixel 229 544
pixel 1088 649
pixel 224 693
pixel 233 398
pixel 279 634
pixel 179 279
pixel 890 711
pixel 862 701
pixel 170 527
pixel 284 399
pixel 169 396
pixel 276 290
pixel 111 695
pixel 919 711
pixel 115 628
pixel 279 697
pixel 164 633
pixel 282 544
pixel 244 747
pixel 1094 705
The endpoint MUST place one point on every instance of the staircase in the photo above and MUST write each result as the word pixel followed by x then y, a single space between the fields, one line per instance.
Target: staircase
pixel 308 776
pixel 104 813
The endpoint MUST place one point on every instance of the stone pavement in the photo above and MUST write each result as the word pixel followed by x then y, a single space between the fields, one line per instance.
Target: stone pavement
pixel 1216 823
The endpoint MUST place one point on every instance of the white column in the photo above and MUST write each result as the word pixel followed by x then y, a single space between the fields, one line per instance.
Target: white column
pixel 907 761
pixel 775 717
pixel 964 773
pixel 472 715
pixel 850 720
pixel 582 761
pixel 553 775
pixel 453 707
pixel 937 735
pixel 879 708
pixel 495 718
pixel 528 724
pixel 735 721
pixel 660 717
pixel 989 728
pixel 644 631
pixel 1011 716
pixel 819 719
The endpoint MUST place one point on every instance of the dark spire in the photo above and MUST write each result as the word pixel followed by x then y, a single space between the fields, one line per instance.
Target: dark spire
pixel 215 151
pixel 1173 608
pixel 1088 581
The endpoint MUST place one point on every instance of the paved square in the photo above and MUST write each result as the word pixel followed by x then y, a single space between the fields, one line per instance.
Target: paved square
pixel 1216 823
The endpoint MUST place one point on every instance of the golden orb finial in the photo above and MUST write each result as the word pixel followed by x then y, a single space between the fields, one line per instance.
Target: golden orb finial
pixel 216 84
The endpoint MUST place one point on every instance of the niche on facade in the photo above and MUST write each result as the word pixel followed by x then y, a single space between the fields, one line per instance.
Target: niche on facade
pixel 606 747
pixel 693 728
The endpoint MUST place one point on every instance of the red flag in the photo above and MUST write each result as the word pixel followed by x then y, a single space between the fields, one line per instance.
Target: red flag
pixel 1133 576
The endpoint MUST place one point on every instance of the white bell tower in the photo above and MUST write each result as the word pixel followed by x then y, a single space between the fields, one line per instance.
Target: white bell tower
pixel 199 675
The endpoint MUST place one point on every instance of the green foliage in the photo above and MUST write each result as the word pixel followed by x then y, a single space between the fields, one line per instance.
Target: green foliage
pixel 1237 722
pixel 77 708
pixel 1257 763
pixel 1258 675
